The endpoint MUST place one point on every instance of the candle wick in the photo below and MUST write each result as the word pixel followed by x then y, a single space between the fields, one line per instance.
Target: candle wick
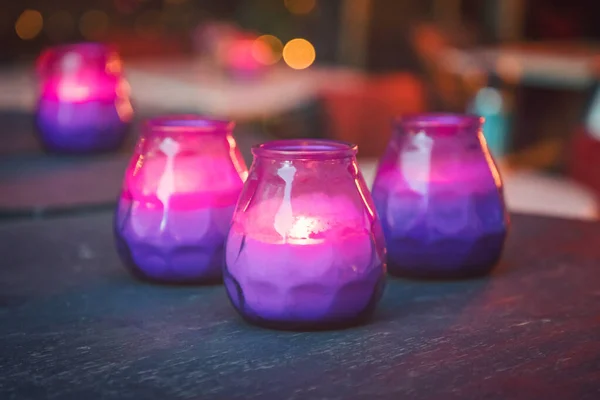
pixel 166 186
pixel 284 217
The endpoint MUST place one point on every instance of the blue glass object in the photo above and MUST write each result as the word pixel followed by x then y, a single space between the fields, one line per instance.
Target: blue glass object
pixel 491 105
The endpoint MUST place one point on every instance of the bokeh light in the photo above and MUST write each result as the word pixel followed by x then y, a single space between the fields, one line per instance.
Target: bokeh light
pixel 29 24
pixel 240 55
pixel 93 24
pixel 300 7
pixel 60 26
pixel 299 53
pixel 267 49
pixel 488 101
pixel 509 68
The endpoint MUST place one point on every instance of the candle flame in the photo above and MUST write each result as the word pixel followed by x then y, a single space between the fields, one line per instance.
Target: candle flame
pixel 284 216
pixel 303 227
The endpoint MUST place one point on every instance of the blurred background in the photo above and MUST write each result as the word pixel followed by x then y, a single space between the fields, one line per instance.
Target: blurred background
pixel 328 68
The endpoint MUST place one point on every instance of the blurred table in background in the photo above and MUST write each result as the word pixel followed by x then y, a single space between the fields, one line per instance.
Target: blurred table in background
pixel 35 183
pixel 540 88
pixel 572 65
pixel 195 86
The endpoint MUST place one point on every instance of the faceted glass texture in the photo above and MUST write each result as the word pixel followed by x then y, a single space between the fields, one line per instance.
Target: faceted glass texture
pixel 178 197
pixel 84 104
pixel 305 249
pixel 439 195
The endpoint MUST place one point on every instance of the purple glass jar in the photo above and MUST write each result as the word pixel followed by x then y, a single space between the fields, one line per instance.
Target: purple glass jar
pixel 178 197
pixel 440 199
pixel 84 103
pixel 305 249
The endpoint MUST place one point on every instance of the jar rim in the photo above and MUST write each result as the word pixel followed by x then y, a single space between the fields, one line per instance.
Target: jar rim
pixel 305 149
pixel 190 123
pixel 439 120
pixel 55 57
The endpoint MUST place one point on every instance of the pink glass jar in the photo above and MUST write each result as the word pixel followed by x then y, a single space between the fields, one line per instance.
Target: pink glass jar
pixel 84 103
pixel 305 249
pixel 178 197
pixel 440 198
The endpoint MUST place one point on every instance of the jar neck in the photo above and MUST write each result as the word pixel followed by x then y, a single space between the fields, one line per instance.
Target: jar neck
pixel 71 58
pixel 188 134
pixel 81 72
pixel 305 151
pixel 447 132
pixel 439 126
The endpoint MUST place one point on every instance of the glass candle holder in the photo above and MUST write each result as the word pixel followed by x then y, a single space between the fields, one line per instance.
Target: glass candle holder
pixel 305 249
pixel 440 198
pixel 84 103
pixel 178 197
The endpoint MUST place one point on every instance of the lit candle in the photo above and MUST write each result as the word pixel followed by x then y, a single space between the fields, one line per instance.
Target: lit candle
pixel 178 197
pixel 439 195
pixel 305 254
pixel 84 103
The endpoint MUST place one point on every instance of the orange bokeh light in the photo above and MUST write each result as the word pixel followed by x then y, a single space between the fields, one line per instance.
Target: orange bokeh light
pixel 29 24
pixel 267 49
pixel 299 53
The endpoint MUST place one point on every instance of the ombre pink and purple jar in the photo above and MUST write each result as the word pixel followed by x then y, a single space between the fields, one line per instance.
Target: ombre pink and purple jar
pixel 305 249
pixel 84 103
pixel 439 195
pixel 178 197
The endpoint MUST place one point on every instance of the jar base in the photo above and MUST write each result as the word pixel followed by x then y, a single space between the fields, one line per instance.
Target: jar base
pixel 311 326
pixel 211 273
pixel 352 319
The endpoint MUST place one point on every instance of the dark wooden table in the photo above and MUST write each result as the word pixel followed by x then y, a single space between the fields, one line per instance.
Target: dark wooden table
pixel 74 325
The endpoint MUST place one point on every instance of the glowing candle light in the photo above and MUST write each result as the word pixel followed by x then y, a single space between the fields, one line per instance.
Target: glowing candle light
pixel 439 195
pixel 305 249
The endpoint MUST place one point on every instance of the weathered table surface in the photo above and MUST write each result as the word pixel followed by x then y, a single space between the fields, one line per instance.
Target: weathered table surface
pixel 74 325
